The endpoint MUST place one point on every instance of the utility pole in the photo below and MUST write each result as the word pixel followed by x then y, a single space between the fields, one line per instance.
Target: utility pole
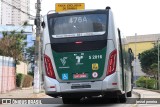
pixel 135 60
pixel 37 69
pixel 158 73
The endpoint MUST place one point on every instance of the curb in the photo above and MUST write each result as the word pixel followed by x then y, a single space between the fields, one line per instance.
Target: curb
pixel 134 105
pixel 28 88
pixel 35 95
pixel 138 94
pixel 158 91
pixel 38 95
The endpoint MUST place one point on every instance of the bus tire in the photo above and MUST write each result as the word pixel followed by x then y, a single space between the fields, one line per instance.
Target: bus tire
pixel 67 100
pixel 112 98
pixel 129 94
pixel 122 98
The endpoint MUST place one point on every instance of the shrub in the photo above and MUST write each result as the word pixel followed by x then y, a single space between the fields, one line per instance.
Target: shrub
pixel 31 73
pixel 19 79
pixel 27 82
pixel 151 83
pixel 146 82
pixel 141 82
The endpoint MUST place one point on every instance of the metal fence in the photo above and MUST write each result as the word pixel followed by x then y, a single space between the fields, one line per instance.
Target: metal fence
pixel 7 74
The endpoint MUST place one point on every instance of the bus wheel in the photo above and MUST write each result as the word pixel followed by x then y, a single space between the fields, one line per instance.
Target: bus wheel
pixel 112 98
pixel 129 94
pixel 122 98
pixel 67 100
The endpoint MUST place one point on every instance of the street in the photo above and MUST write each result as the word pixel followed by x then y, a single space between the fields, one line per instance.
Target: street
pixel 144 95
pixel 91 103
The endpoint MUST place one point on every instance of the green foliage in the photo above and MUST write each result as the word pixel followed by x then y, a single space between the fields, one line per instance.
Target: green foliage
pixel 23 80
pixel 151 83
pixel 148 61
pixel 30 52
pixel 141 82
pixel 146 82
pixel 27 82
pixel 31 74
pixel 12 45
pixel 154 69
pixel 19 79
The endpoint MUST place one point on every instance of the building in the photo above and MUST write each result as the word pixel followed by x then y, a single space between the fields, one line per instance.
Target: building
pixel 138 44
pixel 9 15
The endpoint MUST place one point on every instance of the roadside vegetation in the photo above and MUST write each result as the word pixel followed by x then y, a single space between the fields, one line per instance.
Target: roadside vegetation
pixel 23 80
pixel 149 64
pixel 13 44
pixel 146 82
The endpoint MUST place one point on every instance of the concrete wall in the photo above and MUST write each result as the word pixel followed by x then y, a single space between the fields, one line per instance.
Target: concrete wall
pixel 22 68
pixel 7 74
pixel 141 46
pixel 140 43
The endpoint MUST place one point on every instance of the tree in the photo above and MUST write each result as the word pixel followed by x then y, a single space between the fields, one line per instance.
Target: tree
pixel 12 45
pixel 154 69
pixel 30 57
pixel 149 60
pixel 30 54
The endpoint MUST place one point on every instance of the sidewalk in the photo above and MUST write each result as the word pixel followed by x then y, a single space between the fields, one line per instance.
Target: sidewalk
pixel 149 98
pixel 22 93
pixel 147 93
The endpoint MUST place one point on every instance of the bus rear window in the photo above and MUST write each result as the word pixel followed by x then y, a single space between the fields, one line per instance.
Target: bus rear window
pixel 78 25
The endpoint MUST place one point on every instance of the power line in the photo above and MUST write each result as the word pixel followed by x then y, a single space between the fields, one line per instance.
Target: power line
pixel 16 8
pixel 23 5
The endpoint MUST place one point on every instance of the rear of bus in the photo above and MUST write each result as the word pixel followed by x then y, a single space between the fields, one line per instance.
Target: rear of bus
pixel 80 56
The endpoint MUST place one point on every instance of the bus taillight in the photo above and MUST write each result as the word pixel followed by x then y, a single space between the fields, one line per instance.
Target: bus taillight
pixel 112 62
pixel 49 67
pixel 78 42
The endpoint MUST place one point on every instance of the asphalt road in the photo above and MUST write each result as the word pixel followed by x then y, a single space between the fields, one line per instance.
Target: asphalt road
pixel 89 103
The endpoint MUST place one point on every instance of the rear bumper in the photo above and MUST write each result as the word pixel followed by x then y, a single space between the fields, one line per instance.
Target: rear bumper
pixel 83 94
pixel 96 87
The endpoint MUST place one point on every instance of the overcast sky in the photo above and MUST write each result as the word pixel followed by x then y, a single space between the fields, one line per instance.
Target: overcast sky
pixel 131 16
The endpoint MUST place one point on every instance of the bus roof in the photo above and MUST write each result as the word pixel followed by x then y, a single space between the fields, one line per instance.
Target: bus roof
pixel 73 11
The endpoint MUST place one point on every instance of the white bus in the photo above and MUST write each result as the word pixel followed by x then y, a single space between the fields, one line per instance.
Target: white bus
pixel 83 56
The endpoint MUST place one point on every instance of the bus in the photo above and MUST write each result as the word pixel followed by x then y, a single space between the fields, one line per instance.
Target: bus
pixel 84 56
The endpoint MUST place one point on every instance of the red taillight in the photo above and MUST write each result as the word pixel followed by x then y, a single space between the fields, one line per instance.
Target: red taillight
pixel 52 87
pixel 78 42
pixel 112 62
pixel 49 67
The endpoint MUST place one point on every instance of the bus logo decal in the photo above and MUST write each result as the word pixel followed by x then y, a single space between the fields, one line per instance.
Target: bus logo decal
pixel 79 60
pixel 63 60
pixel 95 66
pixel 94 74
pixel 65 76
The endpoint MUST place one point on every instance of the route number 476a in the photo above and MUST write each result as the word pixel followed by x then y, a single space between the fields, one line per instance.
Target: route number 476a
pixel 78 19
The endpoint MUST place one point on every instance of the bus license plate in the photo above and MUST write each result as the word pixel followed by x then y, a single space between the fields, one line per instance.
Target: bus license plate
pixel 78 76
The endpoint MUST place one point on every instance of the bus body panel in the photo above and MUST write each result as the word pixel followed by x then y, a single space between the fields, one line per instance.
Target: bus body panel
pixel 100 86
pixel 71 65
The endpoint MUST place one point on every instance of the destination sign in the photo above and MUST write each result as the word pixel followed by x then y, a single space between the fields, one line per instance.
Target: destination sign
pixel 60 7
